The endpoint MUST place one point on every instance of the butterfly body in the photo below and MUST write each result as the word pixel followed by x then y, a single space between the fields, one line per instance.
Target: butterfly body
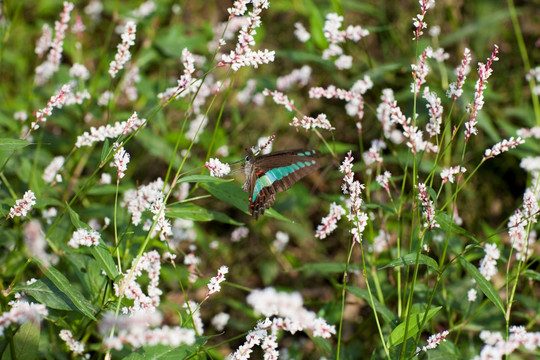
pixel 268 174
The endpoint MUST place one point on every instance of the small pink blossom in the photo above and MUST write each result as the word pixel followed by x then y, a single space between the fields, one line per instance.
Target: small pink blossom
pixel 484 72
pixel 418 21
pixel 44 42
pixel 311 123
pixel 527 133
pixel 383 180
pixel 435 112
pixel 23 206
pixel 419 72
pixel 280 99
pixel 373 155
pixel 298 77
pixel 79 71
pixel 456 89
pixel 471 295
pixel 220 320
pixel 217 168
pixel 428 210
pixel 239 233
pixel 50 173
pixel 214 284
pixel 301 33
pixel 22 312
pixel 497 347
pixel 488 264
pixel 501 147
pixel 433 341
pixel 329 222
pixel 121 159
pixel 449 174
pixel 194 312
pixel 74 346
pixel 110 132
pixel 83 237
pixel 56 101
pixel 123 55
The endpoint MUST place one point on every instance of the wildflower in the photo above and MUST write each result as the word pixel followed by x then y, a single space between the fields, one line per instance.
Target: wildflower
pixel 534 73
pixel 384 115
pixel 44 42
pixel 128 85
pixel 83 237
pixel 501 147
pixel 434 31
pixel 163 225
pixel 105 98
pixel 329 222
pixel 51 171
pixel 108 131
pixel 311 123
pixel 418 21
pixel 49 213
pixel 217 168
pixel 123 55
pixel 137 201
pixel 381 241
pixel 435 112
pixel 76 98
pixel 149 262
pixel 383 180
pixel 56 101
pixel 185 82
pixel 264 145
pixel 484 72
pixel 471 295
pixel 23 206
pixel 301 33
pixel 22 312
pixel 439 55
pixel 214 285
pixel 419 72
pixel 243 55
pixel 20 115
pixel 34 240
pixel 219 321
pixel 282 239
pixel 74 346
pixel 52 64
pixel 373 155
pixel 496 347
pixel 411 133
pixel 239 233
pixel 79 71
pixel 335 36
pixel 433 341
pixel 428 212
pixel 527 133
pixel 144 10
pixel 94 9
pixel 353 188
pixel 195 314
pixel 488 264
pixel 135 330
pixel 456 89
pixel 297 76
pixel 246 94
pixel 449 174
pixel 121 159
pixel 280 99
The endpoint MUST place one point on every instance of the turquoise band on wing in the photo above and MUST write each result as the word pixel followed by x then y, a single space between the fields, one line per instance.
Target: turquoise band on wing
pixel 279 173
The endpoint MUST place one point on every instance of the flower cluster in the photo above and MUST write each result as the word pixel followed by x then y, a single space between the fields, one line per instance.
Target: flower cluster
pixel 280 99
pixel 501 147
pixel 384 115
pixel 301 33
pixel 128 286
pixel 435 112
pixel 497 347
pixel 419 72
pixel 353 188
pixel 214 284
pixel 239 233
pixel 56 101
pixel 52 64
pixel 329 222
pixel 22 312
pixel 418 21
pixel 36 245
pixel 428 206
pixel 488 264
pixel 383 180
pixel 334 35
pixel 136 330
pixel 217 168
pixel 449 174
pixel 108 131
pixel 373 155
pixel 121 159
pixel 311 123
pixel 484 72
pixel 297 76
pixel 123 55
pixel 243 55
pixel 194 311
pixel 50 173
pixel 456 89
pixel 83 237
pixel 433 341
pixel 74 346
pixel 185 81
pixel 23 206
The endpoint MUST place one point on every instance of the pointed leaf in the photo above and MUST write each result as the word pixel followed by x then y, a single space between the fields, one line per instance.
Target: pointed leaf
pixel 484 285
pixel 398 334
pixel 26 342
pixel 105 259
pixel 387 315
pixel 410 259
pixel 9 144
pixel 202 179
pixel 45 292
pixel 63 284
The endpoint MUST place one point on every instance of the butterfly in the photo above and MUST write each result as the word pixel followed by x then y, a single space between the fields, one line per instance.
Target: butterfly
pixel 268 174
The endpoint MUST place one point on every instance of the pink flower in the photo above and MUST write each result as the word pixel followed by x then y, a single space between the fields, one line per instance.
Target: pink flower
pixel 418 21
pixel 123 55
pixel 56 101
pixel 449 174
pixel 75 346
pixel 456 89
pixel 373 155
pixel 22 312
pixel 428 211
pixel 329 222
pixel 50 173
pixel 301 33
pixel 239 233
pixel 419 72
pixel 311 123
pixel 214 285
pixel 484 72
pixel 383 180
pixel 217 168
pixel 435 112
pixel 297 76
pixel 23 206
pixel 44 42
pixel 109 132
pixel 434 340
pixel 83 237
pixel 280 99
pixel 121 159
pixel 488 264
pixel 501 147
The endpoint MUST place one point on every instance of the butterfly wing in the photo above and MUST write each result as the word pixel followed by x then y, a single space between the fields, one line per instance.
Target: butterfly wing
pixel 268 174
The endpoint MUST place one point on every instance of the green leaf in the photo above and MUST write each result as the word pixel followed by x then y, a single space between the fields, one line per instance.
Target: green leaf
pixel 63 284
pixel 484 285
pixel 398 334
pixel 164 352
pixel 104 150
pixel 531 274
pixel 410 259
pixel 325 267
pixel 228 192
pixel 75 220
pixel 189 211
pixel 386 314
pixel 447 224
pixel 45 292
pixel 201 179
pixel 26 342
pixel 104 258
pixel 9 144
